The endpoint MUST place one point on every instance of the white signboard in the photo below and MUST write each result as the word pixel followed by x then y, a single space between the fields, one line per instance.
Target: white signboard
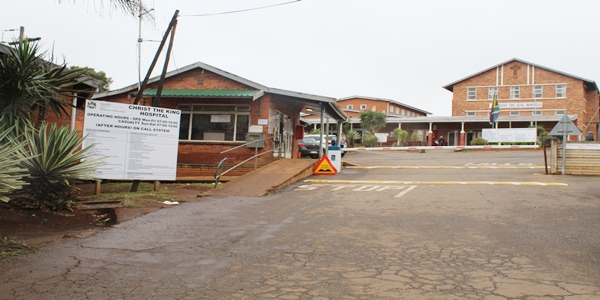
pixel 505 135
pixel 136 142
pixel 520 105
pixel 381 137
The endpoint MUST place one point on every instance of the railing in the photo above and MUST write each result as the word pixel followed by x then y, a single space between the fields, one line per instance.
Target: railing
pixel 219 171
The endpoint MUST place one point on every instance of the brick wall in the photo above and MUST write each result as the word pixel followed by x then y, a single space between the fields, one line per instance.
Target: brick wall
pixel 526 77
pixel 197 158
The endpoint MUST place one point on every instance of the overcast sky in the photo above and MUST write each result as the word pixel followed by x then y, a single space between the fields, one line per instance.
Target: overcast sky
pixel 395 49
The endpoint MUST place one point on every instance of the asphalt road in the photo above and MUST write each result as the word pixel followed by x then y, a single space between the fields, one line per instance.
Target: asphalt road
pixel 491 227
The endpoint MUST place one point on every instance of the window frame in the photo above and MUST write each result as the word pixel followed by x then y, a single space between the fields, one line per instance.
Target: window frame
pixel 515 92
pixel 491 94
pixel 561 91
pixel 237 110
pixel 537 90
pixel 514 113
pixel 560 112
pixel 471 114
pixel 363 107
pixel 349 106
pixel 536 113
pixel 471 93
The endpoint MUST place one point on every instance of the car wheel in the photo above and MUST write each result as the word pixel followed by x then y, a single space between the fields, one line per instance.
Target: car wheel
pixel 314 156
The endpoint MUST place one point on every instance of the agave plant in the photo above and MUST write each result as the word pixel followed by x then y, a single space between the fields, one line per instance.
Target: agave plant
pixel 56 159
pixel 400 135
pixel 352 136
pixel 28 83
pixel 11 175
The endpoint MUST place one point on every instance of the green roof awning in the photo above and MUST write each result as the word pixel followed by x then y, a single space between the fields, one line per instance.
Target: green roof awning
pixel 211 93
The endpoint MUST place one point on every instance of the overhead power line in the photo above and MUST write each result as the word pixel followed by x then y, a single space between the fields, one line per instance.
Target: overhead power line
pixel 242 10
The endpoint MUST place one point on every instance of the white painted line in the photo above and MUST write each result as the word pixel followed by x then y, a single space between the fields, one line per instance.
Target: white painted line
pixel 410 188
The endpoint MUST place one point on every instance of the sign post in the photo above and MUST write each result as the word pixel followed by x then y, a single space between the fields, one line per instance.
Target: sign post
pixel 565 127
pixel 136 142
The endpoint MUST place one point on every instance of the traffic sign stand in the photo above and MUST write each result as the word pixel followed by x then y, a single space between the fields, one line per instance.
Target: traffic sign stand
pixel 324 167
pixel 565 127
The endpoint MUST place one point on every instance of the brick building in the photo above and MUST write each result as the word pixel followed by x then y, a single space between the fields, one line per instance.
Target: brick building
pixel 396 112
pixel 527 93
pixel 219 109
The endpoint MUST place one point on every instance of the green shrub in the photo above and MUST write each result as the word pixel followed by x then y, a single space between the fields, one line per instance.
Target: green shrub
pixel 415 137
pixel 351 137
pixel 370 140
pixel 478 142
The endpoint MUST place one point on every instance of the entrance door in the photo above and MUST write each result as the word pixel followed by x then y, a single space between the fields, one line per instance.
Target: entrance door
pixel 283 131
pixel 470 137
pixel 452 138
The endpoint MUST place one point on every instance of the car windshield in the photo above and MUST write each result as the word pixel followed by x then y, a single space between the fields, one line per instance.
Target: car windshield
pixel 309 140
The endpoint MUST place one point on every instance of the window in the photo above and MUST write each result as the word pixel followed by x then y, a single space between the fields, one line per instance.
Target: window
pixel 561 90
pixel 471 93
pixel 560 112
pixel 515 92
pixel 363 106
pixel 349 106
pixel 397 110
pixel 536 113
pixel 514 113
pixel 214 122
pixel 537 91
pixel 493 90
pixel 471 114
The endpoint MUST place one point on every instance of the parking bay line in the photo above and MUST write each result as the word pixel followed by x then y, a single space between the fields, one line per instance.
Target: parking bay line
pixel 523 183
pixel 359 188
pixel 444 167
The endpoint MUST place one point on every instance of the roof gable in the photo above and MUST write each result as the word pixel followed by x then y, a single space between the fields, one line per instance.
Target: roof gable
pixel 383 100
pixel 450 86
pixel 332 107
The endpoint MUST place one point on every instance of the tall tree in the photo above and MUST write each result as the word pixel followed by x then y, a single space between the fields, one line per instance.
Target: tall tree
pixel 131 7
pixel 99 75
pixel 373 121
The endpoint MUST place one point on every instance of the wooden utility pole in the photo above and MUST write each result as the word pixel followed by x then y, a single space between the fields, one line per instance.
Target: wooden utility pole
pixel 21 35
pixel 162 44
pixel 156 100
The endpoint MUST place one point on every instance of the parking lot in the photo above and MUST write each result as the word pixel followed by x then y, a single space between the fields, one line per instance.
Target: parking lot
pixel 396 225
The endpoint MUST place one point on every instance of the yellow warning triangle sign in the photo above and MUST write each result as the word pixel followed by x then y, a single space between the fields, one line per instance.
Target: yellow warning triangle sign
pixel 324 167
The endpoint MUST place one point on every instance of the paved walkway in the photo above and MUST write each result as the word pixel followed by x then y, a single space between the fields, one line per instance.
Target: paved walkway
pixel 266 179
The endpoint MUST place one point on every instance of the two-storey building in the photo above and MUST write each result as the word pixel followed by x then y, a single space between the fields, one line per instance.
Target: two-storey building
pixel 528 94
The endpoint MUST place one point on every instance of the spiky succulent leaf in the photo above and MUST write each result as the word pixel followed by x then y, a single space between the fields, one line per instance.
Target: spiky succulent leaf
pixel 57 158
pixel 11 175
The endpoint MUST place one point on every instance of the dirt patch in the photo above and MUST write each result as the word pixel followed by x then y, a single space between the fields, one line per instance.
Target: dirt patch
pixel 25 230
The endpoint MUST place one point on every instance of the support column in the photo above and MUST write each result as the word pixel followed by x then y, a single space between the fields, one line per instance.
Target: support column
pixel 74 113
pixel 461 139
pixel 429 135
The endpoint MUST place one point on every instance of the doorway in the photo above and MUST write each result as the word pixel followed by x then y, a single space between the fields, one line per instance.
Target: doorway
pixel 470 137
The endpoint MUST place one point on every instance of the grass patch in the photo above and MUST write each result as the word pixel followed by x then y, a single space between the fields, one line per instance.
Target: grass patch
pixel 145 194
pixel 11 246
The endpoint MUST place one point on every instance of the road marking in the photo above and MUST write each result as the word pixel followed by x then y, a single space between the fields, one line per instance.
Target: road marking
pixel 359 188
pixel 445 167
pixel 523 183
pixel 412 187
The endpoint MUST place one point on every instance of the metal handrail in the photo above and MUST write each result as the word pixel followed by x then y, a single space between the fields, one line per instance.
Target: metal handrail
pixel 219 171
